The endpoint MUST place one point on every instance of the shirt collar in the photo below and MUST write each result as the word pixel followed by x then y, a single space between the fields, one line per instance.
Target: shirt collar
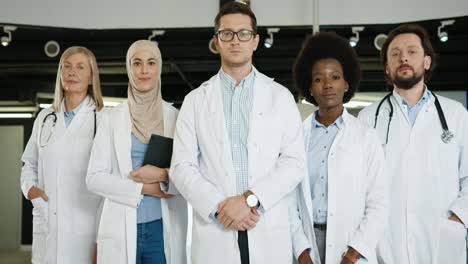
pixel 424 98
pixel 74 111
pixel 231 83
pixel 338 122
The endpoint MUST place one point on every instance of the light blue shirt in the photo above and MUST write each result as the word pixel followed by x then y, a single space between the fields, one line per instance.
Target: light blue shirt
pixel 68 116
pixel 321 139
pixel 413 111
pixel 237 103
pixel 149 208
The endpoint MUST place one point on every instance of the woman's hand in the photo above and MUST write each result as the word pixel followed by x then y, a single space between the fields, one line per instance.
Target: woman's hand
pixel 35 192
pixel 154 189
pixel 149 174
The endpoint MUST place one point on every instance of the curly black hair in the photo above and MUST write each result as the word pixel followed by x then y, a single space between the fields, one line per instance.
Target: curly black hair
pixel 326 46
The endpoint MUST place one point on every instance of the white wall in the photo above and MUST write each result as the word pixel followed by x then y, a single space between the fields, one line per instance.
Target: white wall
pixel 190 13
pixel 11 149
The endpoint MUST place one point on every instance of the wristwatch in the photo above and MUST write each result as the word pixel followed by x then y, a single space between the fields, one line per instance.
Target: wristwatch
pixel 251 199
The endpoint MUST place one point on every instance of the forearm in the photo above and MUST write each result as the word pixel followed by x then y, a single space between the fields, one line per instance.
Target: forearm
pixel 201 194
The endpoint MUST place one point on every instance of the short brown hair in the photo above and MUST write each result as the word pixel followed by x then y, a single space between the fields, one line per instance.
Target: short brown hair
pixel 235 8
pixel 425 42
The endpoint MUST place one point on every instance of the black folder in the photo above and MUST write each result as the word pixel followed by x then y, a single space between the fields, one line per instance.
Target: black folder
pixel 159 152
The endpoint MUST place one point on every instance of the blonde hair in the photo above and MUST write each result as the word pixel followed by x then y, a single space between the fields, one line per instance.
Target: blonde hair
pixel 94 91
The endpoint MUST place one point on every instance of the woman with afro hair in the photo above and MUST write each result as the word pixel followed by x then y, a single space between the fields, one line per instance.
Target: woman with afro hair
pixel 346 182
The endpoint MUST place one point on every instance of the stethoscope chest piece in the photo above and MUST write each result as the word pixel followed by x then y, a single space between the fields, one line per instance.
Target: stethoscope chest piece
pixel 446 136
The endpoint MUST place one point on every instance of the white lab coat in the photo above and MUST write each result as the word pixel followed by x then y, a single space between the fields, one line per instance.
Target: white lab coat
pixel 428 179
pixel 108 176
pixel 64 228
pixel 357 191
pixel 203 172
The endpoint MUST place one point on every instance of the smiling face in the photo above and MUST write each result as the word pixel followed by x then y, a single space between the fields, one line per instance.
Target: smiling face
pixel 406 61
pixel 145 70
pixel 76 74
pixel 328 84
pixel 236 53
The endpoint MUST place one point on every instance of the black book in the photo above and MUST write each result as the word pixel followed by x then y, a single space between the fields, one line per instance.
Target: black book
pixel 159 152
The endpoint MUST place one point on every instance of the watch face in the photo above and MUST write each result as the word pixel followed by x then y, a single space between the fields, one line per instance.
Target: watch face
pixel 252 200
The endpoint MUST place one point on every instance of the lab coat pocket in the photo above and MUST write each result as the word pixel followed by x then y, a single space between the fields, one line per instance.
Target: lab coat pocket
pixel 40 222
pixel 40 215
pixel 452 244
pixel 107 252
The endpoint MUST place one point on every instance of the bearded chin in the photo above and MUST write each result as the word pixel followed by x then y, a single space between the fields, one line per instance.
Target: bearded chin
pixel 406 83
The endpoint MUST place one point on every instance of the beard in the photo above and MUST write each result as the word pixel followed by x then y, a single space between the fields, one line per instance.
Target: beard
pixel 405 83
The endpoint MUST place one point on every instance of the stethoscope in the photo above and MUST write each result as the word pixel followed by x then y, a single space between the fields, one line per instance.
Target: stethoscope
pixel 446 134
pixel 53 115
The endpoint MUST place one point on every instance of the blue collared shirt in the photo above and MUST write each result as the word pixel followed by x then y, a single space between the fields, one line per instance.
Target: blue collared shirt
pixel 321 139
pixel 68 116
pixel 237 102
pixel 412 112
pixel 149 208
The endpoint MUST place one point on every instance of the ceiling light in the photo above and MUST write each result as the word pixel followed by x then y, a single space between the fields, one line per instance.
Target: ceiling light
pixel 353 41
pixel 269 41
pixel 52 48
pixel 379 40
pixel 5 40
pixel 16 115
pixel 156 33
pixel 443 35
pixel 212 46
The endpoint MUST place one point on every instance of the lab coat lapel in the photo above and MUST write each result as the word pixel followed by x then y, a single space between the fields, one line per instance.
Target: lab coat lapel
pixel 262 99
pixel 222 143
pixel 122 140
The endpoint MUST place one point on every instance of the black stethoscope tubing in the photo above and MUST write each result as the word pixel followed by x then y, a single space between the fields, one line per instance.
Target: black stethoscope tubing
pixel 446 134
pixel 54 116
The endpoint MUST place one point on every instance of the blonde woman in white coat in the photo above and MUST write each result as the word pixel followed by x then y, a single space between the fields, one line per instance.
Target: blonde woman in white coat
pixel 55 162
pixel 140 223
pixel 346 181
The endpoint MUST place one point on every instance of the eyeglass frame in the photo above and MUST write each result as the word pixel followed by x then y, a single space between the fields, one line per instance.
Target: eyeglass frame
pixel 253 34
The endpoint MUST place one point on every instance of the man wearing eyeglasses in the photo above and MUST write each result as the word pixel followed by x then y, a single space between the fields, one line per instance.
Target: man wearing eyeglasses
pixel 238 155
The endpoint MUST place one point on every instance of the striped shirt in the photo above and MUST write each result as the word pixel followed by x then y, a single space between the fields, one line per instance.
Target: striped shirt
pixel 237 102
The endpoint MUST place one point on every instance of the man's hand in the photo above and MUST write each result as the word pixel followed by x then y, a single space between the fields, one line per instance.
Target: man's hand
pixel 232 211
pixel 455 218
pixel 351 256
pixel 35 192
pixel 304 258
pixel 149 174
pixel 154 189
pixel 248 223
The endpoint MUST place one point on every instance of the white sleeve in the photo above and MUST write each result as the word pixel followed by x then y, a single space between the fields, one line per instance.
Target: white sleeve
pixel 288 170
pixel 372 225
pixel 460 205
pixel 29 172
pixel 185 173
pixel 100 178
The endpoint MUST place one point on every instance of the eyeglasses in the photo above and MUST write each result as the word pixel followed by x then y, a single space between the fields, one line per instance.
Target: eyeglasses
pixel 228 35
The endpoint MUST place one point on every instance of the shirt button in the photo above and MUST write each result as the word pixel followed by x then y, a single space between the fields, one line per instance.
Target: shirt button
pixel 323 161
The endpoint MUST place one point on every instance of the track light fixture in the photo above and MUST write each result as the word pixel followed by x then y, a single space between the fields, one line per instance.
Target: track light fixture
pixel 269 41
pixel 353 41
pixel 443 35
pixel 155 33
pixel 5 40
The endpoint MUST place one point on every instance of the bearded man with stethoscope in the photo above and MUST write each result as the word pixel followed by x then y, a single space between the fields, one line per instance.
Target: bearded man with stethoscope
pixel 56 161
pixel 425 137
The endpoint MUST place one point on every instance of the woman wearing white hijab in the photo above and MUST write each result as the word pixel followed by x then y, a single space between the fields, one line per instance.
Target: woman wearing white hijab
pixel 139 223
pixel 55 162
